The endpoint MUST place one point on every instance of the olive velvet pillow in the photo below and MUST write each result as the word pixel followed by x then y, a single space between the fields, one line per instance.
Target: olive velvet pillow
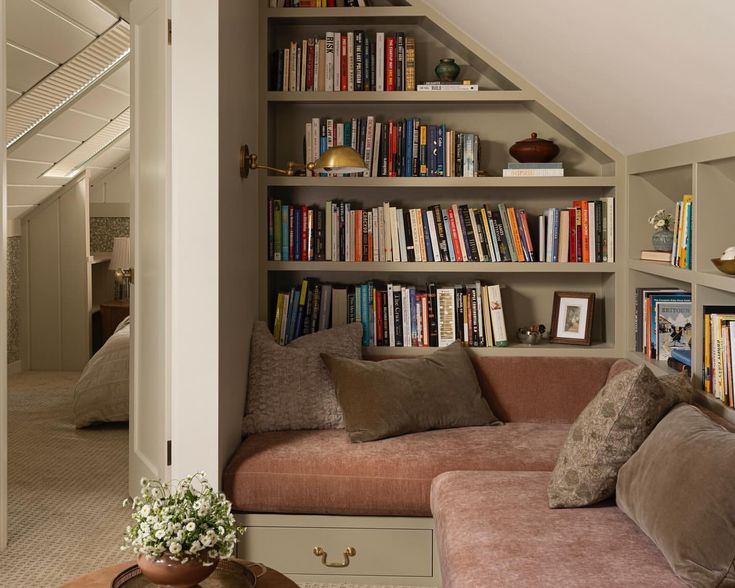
pixel 604 436
pixel 288 386
pixel 392 397
pixel 679 488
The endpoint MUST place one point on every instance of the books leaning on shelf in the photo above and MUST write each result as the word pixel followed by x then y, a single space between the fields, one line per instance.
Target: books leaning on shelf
pixel 663 321
pixel 453 233
pixel 525 170
pixel 463 86
pixel 681 251
pixel 719 352
pixel 651 255
pixel 582 233
pixel 353 61
pixel 398 148
pixel 395 315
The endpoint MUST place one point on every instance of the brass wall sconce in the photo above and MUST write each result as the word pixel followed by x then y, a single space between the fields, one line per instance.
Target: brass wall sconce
pixel 340 159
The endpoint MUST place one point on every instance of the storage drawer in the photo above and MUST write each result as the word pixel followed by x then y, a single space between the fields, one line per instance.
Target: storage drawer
pixel 378 552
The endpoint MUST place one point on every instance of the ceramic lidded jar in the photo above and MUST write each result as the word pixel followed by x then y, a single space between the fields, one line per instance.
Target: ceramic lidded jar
pixel 446 70
pixel 534 150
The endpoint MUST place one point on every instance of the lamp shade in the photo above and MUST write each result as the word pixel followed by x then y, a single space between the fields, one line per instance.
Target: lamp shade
pixel 341 159
pixel 120 254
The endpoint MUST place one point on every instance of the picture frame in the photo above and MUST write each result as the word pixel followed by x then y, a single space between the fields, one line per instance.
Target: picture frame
pixel 571 318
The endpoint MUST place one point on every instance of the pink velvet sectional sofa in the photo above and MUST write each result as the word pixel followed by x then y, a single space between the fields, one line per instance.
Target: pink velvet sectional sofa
pixel 484 486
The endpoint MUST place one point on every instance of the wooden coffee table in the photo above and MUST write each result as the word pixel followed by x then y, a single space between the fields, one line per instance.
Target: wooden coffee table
pixel 103 578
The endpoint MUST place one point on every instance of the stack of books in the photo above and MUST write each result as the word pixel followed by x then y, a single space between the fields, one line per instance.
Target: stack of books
pixel 463 86
pixel 681 252
pixel 354 61
pixel 719 352
pixel 395 315
pixel 663 318
pixel 403 148
pixel 583 233
pixel 533 169
pixel 453 233
pixel 318 3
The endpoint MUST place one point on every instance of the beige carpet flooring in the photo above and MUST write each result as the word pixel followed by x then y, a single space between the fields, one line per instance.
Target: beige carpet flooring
pixel 66 487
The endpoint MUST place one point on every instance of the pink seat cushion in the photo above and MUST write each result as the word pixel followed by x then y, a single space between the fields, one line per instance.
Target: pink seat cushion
pixel 322 472
pixel 496 529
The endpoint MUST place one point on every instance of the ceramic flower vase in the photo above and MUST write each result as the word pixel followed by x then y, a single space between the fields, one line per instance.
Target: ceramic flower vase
pixel 169 573
pixel 446 70
pixel 663 240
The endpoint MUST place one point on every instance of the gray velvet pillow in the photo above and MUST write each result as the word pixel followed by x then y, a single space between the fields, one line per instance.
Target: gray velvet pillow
pixel 679 488
pixel 392 397
pixel 604 436
pixel 289 387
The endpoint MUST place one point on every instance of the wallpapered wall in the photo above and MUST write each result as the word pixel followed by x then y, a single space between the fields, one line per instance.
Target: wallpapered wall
pixel 13 302
pixel 103 229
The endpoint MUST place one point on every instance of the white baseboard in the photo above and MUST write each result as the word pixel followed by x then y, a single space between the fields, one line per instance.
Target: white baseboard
pixel 15 367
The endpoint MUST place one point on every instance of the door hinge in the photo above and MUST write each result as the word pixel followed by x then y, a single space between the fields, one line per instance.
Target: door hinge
pixel 169 31
pixel 168 452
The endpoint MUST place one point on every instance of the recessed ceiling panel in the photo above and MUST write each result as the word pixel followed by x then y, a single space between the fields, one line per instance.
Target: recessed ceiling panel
pixel 29 172
pixel 40 30
pixel 104 102
pixel 43 148
pixel 72 124
pixel 24 70
pixel 120 80
pixel 29 194
pixel 84 12
pixel 110 158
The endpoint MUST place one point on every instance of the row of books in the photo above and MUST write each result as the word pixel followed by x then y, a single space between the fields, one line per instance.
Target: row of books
pixel 526 170
pixel 403 148
pixel 454 233
pixel 318 3
pixel 681 251
pixel 719 352
pixel 663 321
pixel 583 233
pixel 394 315
pixel 353 61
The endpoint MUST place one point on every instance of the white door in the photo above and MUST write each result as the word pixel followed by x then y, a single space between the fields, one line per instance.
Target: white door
pixel 150 231
pixel 3 304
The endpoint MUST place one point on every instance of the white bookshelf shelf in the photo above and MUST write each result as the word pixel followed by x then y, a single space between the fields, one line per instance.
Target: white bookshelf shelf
pixel 329 15
pixel 718 281
pixel 663 270
pixel 442 267
pixel 514 349
pixel 392 97
pixel 479 182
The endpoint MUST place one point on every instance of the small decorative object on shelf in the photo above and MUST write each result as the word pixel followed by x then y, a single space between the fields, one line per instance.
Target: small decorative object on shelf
pixel 181 530
pixel 571 320
pixel 663 236
pixel 726 262
pixel 534 150
pixel 655 255
pixel 531 335
pixel 447 70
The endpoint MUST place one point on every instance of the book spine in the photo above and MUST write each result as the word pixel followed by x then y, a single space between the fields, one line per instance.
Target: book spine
pixel 380 62
pixel 470 240
pixel 507 232
pixel 448 234
pixel 344 63
pixel 390 63
pixel 455 235
pixel 497 316
pixel 285 232
pixel 358 61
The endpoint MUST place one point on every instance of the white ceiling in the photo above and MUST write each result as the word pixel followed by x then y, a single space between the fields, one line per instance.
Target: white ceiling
pixel 41 35
pixel 641 74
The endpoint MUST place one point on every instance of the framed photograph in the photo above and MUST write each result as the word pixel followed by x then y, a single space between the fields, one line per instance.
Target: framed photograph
pixel 571 319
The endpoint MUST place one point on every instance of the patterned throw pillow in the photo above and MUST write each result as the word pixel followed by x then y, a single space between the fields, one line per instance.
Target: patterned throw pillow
pixel 604 436
pixel 289 387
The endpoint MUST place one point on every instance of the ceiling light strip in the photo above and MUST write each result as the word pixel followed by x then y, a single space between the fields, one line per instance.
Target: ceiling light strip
pixel 74 162
pixel 67 82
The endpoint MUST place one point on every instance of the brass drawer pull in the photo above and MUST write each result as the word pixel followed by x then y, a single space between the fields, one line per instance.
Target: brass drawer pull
pixel 348 553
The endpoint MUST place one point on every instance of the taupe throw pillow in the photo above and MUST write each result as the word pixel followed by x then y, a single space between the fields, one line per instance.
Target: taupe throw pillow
pixel 396 396
pixel 607 432
pixel 289 387
pixel 679 488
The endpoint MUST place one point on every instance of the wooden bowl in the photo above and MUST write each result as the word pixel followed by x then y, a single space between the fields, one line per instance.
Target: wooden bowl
pixel 726 266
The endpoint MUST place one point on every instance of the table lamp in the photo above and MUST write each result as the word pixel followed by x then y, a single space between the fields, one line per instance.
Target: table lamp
pixel 120 264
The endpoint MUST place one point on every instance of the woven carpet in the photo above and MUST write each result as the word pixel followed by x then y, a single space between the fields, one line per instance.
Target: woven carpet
pixel 66 487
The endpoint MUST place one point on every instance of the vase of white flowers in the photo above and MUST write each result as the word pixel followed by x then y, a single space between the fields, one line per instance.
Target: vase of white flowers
pixel 181 530
pixel 663 237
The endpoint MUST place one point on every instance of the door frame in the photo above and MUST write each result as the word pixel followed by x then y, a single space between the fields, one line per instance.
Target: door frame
pixel 3 300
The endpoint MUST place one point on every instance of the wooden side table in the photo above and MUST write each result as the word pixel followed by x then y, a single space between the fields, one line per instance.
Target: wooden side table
pixel 103 578
pixel 111 313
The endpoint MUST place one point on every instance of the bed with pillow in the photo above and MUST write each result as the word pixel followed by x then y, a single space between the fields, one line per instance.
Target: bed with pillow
pixel 102 393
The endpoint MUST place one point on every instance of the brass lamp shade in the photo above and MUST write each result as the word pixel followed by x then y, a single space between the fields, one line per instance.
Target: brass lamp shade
pixel 340 159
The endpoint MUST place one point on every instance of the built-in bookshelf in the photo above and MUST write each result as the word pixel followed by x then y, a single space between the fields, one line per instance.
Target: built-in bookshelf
pixel 504 110
pixel 658 179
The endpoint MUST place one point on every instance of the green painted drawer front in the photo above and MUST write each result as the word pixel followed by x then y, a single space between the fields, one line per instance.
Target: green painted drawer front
pixel 379 552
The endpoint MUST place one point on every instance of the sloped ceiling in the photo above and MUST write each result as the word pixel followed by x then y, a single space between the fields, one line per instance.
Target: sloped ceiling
pixel 641 74
pixel 41 35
